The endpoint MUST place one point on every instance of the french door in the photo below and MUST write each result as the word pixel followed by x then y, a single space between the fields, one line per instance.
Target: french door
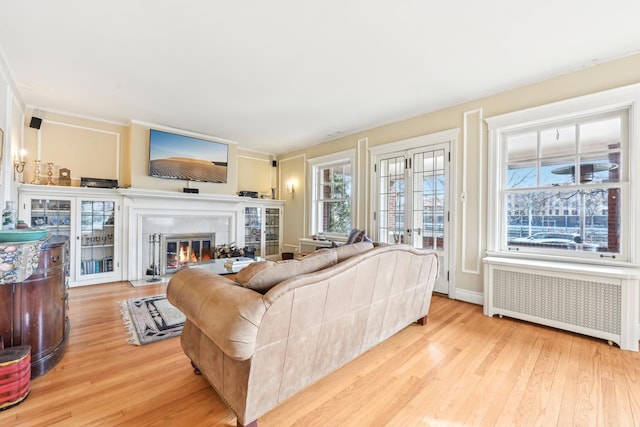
pixel 413 201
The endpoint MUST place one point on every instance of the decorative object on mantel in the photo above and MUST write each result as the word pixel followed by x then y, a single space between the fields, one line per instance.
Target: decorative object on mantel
pixel 245 193
pixel 98 182
pixel 50 174
pixel 36 173
pixel 65 177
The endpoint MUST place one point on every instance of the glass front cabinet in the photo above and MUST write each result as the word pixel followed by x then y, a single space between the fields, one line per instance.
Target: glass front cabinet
pixel 263 230
pixel 97 237
pixel 90 221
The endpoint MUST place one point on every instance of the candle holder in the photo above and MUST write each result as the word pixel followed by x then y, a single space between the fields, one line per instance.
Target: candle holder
pixel 36 173
pixel 50 173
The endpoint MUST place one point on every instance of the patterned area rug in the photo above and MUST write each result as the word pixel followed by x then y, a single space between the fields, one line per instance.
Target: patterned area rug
pixel 151 319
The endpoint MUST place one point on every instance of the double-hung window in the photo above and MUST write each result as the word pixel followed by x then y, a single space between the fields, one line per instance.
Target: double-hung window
pixel 332 194
pixel 560 180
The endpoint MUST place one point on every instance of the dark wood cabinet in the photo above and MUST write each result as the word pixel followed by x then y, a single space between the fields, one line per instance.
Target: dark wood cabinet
pixel 34 312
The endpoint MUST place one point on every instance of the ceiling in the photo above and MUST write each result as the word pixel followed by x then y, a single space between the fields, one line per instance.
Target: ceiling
pixel 279 75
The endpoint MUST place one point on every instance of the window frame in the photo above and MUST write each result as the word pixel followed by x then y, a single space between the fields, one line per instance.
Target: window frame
pixel 556 114
pixel 316 165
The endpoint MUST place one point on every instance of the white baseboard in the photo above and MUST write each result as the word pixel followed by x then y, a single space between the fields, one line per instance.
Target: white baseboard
pixel 470 296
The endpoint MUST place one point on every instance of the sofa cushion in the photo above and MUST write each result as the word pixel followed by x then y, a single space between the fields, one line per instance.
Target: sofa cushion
pixel 347 251
pixel 263 275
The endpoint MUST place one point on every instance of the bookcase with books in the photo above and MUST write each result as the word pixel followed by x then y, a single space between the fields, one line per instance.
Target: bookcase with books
pixel 89 217
pixel 97 220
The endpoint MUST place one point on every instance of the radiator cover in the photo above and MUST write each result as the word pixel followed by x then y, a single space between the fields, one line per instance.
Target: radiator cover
pixel 566 298
pixel 580 303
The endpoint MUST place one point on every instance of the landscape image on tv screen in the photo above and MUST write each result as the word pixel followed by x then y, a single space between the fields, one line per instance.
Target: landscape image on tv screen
pixel 176 156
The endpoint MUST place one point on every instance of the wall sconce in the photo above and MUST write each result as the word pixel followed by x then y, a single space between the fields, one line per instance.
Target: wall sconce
pixel 291 189
pixel 18 166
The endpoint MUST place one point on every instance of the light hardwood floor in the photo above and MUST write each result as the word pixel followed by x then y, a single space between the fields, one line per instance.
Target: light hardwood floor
pixel 462 368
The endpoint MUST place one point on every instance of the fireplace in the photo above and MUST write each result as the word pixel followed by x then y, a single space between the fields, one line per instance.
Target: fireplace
pixel 180 250
pixel 171 214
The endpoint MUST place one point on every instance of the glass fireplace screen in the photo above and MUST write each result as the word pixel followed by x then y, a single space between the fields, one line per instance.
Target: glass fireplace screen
pixel 188 249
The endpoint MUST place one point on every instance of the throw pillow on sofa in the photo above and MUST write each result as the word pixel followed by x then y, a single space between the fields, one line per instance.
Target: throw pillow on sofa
pixel 263 275
pixel 356 236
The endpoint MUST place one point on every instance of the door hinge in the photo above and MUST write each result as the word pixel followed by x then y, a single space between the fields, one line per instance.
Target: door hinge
pixel 449 156
pixel 374 216
pixel 448 216
pixel 447 275
pixel 375 167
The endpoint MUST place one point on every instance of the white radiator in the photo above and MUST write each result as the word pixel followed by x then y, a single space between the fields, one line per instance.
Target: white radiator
pixel 565 296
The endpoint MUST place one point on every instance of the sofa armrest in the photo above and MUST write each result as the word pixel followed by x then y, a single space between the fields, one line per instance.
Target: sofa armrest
pixel 228 314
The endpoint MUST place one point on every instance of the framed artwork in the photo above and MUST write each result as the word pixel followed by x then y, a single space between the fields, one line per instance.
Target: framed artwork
pixel 183 157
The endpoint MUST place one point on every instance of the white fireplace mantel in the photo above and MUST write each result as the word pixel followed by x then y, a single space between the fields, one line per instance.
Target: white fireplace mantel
pixel 177 212
pixel 138 193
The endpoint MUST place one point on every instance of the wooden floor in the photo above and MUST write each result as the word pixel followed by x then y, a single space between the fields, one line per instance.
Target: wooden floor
pixel 462 368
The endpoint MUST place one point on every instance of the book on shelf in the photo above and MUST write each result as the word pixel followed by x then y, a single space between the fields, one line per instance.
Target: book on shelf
pixel 94 266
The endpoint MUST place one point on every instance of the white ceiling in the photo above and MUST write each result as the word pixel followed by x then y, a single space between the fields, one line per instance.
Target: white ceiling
pixel 282 74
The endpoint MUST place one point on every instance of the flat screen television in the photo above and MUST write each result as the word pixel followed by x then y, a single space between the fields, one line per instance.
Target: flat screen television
pixel 174 156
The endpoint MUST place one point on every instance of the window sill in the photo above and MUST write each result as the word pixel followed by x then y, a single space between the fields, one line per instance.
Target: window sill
pixel 610 268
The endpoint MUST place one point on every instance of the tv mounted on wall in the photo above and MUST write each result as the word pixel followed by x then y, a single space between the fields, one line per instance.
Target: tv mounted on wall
pixel 174 156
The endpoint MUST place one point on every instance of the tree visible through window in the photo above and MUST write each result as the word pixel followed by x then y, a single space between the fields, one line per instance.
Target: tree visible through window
pixel 333 198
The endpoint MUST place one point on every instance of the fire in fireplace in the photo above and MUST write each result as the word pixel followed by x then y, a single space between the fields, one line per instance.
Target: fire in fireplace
pixel 180 250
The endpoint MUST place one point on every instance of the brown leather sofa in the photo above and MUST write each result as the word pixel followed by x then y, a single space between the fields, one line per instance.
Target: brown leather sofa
pixel 305 318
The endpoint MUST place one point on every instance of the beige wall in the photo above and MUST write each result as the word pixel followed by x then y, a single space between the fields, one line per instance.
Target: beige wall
pixel 91 148
pixel 139 137
pixel 255 173
pixel 292 170
pixel 597 78
pixel 88 148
